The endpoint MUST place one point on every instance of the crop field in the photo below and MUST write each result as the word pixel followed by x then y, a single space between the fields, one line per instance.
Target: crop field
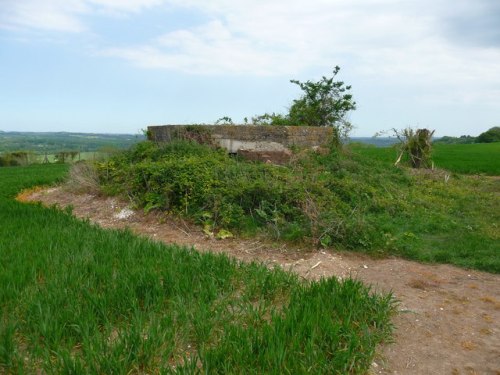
pixel 78 299
pixel 477 158
pixel 470 159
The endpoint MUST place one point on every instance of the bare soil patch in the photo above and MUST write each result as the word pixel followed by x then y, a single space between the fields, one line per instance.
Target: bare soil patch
pixel 447 321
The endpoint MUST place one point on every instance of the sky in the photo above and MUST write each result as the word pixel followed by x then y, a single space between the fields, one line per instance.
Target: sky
pixel 117 66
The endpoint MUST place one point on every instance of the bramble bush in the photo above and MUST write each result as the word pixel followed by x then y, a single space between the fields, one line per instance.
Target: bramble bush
pixel 345 198
pixel 317 198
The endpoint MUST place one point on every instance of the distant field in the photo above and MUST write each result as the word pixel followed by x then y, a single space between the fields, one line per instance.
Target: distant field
pixel 469 159
pixel 22 148
pixel 77 299
pixel 478 158
pixel 51 143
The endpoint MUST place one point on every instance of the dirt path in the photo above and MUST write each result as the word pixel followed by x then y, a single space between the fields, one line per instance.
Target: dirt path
pixel 448 320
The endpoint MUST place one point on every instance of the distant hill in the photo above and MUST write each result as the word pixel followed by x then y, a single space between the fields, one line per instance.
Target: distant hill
pixel 489 136
pixel 57 141
pixel 464 139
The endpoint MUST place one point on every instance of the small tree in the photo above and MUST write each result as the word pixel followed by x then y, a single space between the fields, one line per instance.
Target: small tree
pixel 21 157
pixel 323 103
pixel 73 154
pixel 60 157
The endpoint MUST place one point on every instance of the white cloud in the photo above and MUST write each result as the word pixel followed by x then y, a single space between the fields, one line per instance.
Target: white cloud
pixel 427 60
pixel 210 49
pixel 382 40
pixel 57 15
pixel 63 15
pixel 123 6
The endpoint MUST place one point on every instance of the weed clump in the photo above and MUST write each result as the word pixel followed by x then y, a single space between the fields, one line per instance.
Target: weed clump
pixel 83 177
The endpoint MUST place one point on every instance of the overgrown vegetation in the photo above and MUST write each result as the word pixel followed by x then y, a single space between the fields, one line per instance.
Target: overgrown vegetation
pixel 78 299
pixel 15 158
pixel 415 146
pixel 339 199
pixel 323 103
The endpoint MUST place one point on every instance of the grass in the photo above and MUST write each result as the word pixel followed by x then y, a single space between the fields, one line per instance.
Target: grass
pixel 76 299
pixel 477 158
pixel 453 222
pixel 453 218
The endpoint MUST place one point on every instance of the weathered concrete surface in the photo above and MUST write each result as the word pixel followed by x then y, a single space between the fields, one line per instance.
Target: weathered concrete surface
pixel 254 142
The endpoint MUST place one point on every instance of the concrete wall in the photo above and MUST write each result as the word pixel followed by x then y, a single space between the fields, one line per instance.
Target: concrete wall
pixel 267 143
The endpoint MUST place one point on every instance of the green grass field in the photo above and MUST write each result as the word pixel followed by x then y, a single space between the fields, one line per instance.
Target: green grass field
pixel 453 220
pixel 478 158
pixel 77 299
